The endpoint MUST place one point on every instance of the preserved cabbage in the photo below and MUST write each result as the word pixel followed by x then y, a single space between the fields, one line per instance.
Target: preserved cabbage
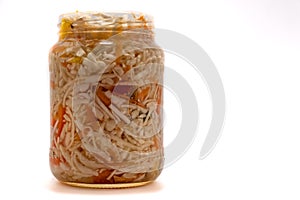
pixel 106 77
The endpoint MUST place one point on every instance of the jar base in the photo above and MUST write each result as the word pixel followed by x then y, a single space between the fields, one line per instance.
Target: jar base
pixel 107 186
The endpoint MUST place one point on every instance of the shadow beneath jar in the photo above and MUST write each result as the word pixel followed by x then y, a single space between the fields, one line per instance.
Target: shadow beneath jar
pixel 59 187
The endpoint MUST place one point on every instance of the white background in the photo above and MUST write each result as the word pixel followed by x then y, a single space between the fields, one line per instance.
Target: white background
pixel 255 46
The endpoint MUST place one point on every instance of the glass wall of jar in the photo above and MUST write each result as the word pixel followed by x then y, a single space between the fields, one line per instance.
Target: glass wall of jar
pixel 106 76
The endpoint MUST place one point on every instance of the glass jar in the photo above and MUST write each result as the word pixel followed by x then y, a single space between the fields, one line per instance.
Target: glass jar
pixel 106 76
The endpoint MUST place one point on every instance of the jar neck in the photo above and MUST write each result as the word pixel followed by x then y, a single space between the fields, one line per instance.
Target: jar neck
pixel 101 26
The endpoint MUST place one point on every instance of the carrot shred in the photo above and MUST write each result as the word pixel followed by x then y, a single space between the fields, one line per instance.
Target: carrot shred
pixel 159 95
pixel 157 143
pixel 55 161
pixel 103 97
pixel 159 99
pixel 127 68
pixel 137 103
pixel 102 177
pixel 59 116
pixel 64 64
pixel 142 94
pixel 52 84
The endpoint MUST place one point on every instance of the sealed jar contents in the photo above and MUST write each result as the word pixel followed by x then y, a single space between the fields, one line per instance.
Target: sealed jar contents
pixel 106 76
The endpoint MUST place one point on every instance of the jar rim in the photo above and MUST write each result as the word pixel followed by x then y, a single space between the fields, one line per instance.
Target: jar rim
pixel 94 20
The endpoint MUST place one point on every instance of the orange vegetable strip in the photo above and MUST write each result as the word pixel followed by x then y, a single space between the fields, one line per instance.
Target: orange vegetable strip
pixel 55 161
pixel 142 94
pixel 103 97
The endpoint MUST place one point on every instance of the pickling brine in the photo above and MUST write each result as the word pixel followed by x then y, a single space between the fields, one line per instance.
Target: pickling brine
pixel 106 76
